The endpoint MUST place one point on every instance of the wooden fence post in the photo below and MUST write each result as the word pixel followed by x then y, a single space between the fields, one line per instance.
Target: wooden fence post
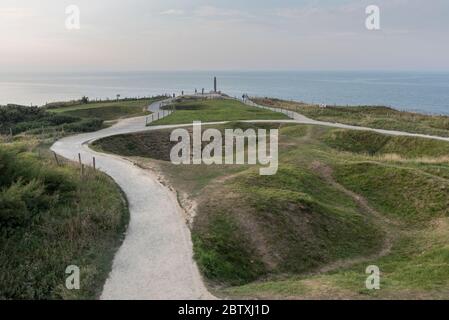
pixel 81 164
pixel 56 158
pixel 94 163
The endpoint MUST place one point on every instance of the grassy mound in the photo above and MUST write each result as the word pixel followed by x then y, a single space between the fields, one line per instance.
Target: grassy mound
pixel 51 218
pixel 368 116
pixel 155 145
pixel 292 222
pixel 108 110
pixel 416 268
pixel 217 110
pixel 373 143
pixel 404 193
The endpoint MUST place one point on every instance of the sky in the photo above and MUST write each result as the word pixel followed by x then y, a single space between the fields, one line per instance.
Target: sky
pixel 144 35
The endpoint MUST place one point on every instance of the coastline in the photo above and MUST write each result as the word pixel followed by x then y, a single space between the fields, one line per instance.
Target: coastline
pixel 422 92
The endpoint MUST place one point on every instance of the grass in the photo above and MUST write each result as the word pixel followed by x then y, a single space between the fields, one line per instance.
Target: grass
pixel 108 111
pixel 373 143
pixel 50 218
pixel 393 190
pixel 223 253
pixel 216 110
pixel 368 116
pixel 269 237
pixel 284 224
pixel 416 268
pixel 33 120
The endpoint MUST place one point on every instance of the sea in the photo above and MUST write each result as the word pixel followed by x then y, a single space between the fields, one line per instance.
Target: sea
pixel 425 92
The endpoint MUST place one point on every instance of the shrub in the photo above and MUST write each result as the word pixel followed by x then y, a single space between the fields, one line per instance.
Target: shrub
pixel 20 202
pixel 33 119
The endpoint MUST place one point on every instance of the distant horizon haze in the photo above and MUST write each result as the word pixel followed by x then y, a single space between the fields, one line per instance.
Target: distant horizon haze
pixel 426 92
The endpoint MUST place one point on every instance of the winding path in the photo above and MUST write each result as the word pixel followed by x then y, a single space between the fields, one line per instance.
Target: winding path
pixel 155 260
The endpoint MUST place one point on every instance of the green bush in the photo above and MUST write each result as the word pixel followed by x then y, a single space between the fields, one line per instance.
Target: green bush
pixel 32 119
pixel 27 187
pixel 50 218
pixel 20 202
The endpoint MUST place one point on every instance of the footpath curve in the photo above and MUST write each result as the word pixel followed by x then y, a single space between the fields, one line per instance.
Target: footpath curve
pixel 155 261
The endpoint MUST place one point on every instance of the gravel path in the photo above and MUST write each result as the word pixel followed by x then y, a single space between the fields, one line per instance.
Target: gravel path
pixel 156 259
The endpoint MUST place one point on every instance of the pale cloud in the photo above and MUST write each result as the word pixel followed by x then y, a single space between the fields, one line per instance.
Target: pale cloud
pixel 172 12
pixel 313 10
pixel 296 13
pixel 16 13
pixel 215 12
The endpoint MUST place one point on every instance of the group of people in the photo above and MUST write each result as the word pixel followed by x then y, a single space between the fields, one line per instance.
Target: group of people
pixel 202 91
